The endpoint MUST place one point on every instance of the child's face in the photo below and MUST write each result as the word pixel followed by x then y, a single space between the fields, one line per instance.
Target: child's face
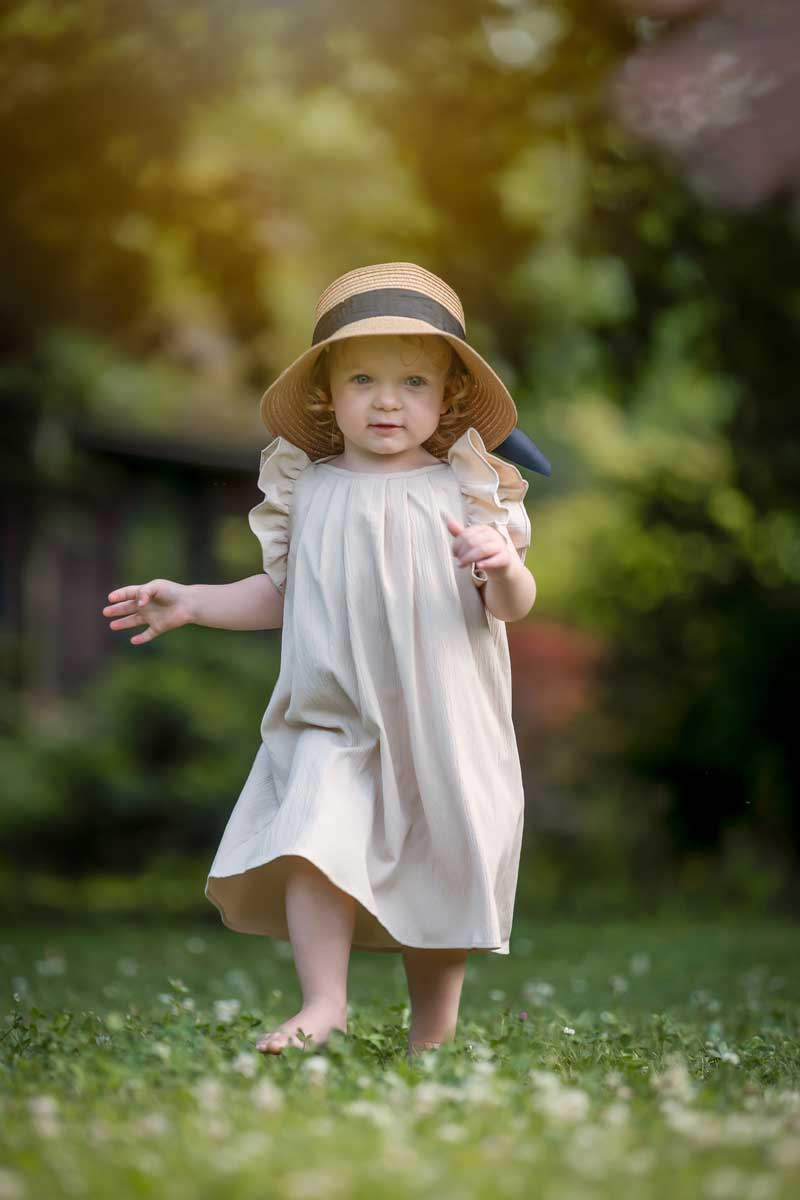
pixel 388 390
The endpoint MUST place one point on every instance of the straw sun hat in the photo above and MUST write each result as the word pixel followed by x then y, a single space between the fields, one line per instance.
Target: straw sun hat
pixel 395 298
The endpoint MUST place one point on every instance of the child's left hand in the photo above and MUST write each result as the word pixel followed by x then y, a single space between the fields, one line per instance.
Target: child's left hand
pixel 485 546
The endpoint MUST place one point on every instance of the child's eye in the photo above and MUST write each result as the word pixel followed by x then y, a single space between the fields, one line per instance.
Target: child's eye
pixel 420 378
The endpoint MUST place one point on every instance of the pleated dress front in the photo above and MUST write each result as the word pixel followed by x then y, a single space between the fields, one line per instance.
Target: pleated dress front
pixel 388 756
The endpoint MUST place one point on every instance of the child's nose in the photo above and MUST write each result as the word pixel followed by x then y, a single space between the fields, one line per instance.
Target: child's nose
pixel 387 394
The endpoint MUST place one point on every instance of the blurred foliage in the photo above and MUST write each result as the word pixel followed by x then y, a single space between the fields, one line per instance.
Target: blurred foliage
pixel 143 760
pixel 183 180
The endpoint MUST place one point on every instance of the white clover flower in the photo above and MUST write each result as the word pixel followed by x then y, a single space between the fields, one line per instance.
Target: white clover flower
pixel 162 1049
pixel 730 1056
pixel 46 1115
pixel 317 1068
pixel 450 1132
pixel 208 1093
pixel 537 991
pixel 568 1030
pixel 153 1123
pixel 568 1105
pixel 618 983
pixel 556 1100
pixel 616 1113
pixel 481 1052
pixel 704 1129
pixel 674 1081
pixel 226 1010
pixel 497 995
pixel 266 1095
pixel 246 1064
pixel 546 1080
pixel 640 963
pixel 756 1128
pixel 196 945
pixel 592 1149
pixel 481 1091
pixel 427 1095
pixel 789 1098
pixel 44 1105
pixel 216 1126
pixel 379 1114
pixel 391 1081
pixel 127 966
pixel 12 1186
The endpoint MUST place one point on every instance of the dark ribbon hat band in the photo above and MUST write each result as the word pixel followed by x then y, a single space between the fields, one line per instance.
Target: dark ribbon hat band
pixel 387 302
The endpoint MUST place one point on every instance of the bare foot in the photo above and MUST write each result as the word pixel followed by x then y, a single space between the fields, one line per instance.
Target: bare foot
pixel 316 1022
pixel 415 1049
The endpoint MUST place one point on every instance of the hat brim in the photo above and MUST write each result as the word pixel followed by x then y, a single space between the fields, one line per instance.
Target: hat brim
pixel 284 410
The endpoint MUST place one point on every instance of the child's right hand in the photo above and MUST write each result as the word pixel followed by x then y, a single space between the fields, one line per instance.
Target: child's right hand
pixel 160 604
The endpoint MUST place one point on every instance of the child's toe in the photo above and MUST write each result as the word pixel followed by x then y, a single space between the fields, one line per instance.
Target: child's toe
pixel 268 1045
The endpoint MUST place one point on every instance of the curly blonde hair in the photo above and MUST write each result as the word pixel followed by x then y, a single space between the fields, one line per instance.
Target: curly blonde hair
pixel 459 388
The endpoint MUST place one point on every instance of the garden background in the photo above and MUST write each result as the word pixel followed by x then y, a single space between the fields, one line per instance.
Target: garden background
pixel 182 180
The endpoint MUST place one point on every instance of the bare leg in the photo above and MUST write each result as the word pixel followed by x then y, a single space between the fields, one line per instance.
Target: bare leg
pixel 321 918
pixel 435 979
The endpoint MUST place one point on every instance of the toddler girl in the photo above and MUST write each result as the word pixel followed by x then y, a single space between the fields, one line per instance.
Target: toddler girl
pixel 384 808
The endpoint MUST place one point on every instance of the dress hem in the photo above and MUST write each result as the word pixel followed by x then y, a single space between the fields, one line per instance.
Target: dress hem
pixel 501 949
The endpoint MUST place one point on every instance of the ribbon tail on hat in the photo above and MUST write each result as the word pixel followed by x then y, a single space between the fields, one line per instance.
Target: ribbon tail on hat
pixel 520 450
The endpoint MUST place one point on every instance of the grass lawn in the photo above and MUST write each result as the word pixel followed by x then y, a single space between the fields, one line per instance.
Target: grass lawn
pixel 639 1058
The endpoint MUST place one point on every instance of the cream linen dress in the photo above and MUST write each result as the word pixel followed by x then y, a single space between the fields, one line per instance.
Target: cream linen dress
pixel 388 756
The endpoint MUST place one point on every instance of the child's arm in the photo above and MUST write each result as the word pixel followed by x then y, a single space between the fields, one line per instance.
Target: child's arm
pixel 161 605
pixel 252 603
pixel 511 596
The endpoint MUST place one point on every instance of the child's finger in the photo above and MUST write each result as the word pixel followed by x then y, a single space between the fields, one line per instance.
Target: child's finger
pixel 454 526
pixel 496 560
pixel 128 622
pixel 120 609
pixel 147 636
pixel 471 553
pixel 129 592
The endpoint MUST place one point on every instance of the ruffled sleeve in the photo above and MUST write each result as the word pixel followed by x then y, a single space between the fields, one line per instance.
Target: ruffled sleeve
pixel 281 463
pixel 493 491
